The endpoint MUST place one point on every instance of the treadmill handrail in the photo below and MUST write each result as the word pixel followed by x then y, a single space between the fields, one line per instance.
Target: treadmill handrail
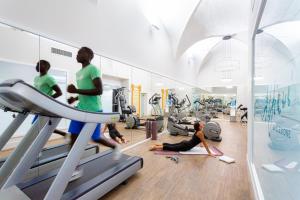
pixel 41 102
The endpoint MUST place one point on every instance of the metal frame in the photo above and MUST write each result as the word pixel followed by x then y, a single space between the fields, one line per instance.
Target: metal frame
pixel 21 96
pixel 14 159
pixel 257 12
pixel 32 153
pixel 11 129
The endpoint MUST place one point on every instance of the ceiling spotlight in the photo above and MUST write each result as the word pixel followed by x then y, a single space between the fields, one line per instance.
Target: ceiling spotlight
pixel 226 79
pixel 153 26
pixel 257 78
pixel 227 37
pixel 259 31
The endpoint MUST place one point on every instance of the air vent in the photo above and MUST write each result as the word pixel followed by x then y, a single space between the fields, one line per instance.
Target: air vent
pixel 61 52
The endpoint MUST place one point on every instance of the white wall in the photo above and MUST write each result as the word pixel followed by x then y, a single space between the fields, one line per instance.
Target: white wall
pixel 242 95
pixel 117 29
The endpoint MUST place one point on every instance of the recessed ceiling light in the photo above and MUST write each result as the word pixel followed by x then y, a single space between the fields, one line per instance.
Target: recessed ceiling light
pixel 257 78
pixel 226 79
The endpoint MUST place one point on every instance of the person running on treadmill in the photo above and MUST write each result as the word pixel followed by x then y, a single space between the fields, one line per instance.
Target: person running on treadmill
pixel 47 85
pixel 89 96
pixel 184 145
pixel 114 133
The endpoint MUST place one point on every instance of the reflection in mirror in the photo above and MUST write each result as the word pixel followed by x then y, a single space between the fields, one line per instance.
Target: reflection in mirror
pixel 63 67
pixel 117 98
pixel 19 53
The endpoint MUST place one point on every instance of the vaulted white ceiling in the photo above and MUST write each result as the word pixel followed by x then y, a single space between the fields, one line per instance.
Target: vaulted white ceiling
pixel 196 27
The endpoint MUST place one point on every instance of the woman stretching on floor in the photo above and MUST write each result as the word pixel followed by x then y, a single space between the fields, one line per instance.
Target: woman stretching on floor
pixel 184 145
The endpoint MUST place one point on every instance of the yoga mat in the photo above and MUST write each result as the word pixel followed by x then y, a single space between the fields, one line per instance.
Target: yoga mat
pixel 170 153
pixel 287 164
pixel 194 151
pixel 202 151
pixel 216 151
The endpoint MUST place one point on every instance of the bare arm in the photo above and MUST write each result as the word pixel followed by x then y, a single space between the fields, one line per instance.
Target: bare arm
pixel 104 129
pixel 57 90
pixel 200 135
pixel 98 90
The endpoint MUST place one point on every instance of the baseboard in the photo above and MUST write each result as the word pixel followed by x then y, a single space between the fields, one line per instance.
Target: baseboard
pixel 256 187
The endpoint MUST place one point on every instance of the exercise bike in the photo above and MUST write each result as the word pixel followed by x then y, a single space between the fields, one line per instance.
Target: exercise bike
pixel 212 130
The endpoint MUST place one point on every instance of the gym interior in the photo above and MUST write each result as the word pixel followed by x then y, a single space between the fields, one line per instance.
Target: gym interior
pixel 149 99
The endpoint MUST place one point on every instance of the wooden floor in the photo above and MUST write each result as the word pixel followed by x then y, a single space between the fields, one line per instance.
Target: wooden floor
pixel 194 177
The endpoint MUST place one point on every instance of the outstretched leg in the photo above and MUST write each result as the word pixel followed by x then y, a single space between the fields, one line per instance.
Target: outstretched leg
pixel 156 147
pixel 116 153
pixel 105 142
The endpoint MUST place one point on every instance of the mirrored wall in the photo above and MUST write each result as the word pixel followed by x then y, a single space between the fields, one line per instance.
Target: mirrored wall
pixel 138 95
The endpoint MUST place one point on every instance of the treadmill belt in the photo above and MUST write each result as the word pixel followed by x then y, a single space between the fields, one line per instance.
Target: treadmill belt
pixel 53 153
pixel 47 153
pixel 96 169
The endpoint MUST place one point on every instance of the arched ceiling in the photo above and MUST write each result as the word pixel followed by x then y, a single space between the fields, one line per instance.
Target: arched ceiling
pixel 280 11
pixel 214 18
pixel 195 27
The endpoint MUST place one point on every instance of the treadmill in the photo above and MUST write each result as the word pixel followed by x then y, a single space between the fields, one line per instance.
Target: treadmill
pixel 52 157
pixel 100 172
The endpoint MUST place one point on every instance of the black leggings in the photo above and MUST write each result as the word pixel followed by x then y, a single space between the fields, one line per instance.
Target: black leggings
pixel 181 146
pixel 245 115
pixel 114 134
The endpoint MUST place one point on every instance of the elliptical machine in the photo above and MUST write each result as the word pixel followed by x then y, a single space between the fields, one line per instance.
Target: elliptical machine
pixel 154 101
pixel 127 111
pixel 244 115
pixel 200 114
pixel 178 109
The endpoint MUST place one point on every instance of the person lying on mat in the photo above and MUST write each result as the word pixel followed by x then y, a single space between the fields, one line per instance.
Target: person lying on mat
pixel 114 133
pixel 184 145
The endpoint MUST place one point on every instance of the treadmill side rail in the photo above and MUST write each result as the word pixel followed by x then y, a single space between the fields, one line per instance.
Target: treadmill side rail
pixel 16 156
pixel 31 154
pixel 11 129
pixel 13 193
pixel 65 173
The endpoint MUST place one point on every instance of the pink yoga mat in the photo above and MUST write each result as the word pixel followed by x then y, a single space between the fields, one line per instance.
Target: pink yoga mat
pixel 166 153
pixel 215 150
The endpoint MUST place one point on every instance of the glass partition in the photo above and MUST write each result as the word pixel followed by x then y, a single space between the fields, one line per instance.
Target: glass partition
pixel 276 126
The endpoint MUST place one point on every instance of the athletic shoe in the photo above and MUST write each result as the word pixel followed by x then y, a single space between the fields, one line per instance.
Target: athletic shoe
pixel 76 174
pixel 117 153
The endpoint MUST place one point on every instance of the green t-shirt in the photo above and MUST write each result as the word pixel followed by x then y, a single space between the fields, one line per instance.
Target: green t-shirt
pixel 84 78
pixel 45 84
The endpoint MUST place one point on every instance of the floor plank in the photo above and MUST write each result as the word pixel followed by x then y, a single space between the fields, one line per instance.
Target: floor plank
pixel 195 177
